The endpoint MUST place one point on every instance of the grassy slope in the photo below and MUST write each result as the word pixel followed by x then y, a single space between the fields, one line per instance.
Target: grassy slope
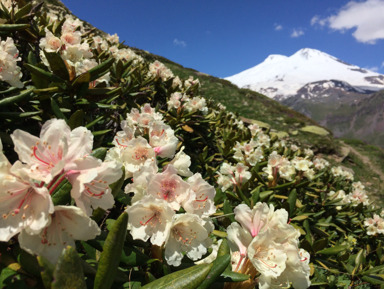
pixel 366 160
pixel 255 106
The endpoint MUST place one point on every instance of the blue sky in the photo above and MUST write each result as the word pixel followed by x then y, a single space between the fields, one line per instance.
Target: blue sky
pixel 225 37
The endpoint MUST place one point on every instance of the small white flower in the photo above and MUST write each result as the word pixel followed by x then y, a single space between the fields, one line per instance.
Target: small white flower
pixel 169 187
pixel 150 218
pixel 68 223
pixel 188 235
pixel 201 197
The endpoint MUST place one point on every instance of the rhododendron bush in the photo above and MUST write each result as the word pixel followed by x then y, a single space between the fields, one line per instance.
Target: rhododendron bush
pixel 115 173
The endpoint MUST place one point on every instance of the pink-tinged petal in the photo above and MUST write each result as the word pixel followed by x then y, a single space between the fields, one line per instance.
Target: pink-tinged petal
pixel 23 206
pixel 268 257
pixel 5 165
pixel 45 157
pixel 91 186
pixel 150 218
pixel 80 144
pixel 238 238
pixel 188 235
pixel 68 224
pixel 201 197
pixel 169 187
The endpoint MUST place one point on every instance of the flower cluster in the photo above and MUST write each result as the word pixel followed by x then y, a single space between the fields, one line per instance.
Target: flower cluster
pixel 266 242
pixel 374 225
pixel 28 187
pixel 9 71
pixel 181 100
pixel 355 197
pixel 159 195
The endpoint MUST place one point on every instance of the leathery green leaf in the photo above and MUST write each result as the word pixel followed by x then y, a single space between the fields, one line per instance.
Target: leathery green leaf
pixel 16 98
pixel 110 257
pixel 99 153
pixel 101 69
pixel 46 272
pixel 13 27
pixel 116 186
pixel 57 65
pixel 218 267
pixel 68 273
pixel 189 278
pixel 224 248
pixel 333 250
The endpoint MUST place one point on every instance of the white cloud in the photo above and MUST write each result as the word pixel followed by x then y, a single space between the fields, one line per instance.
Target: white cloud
pixel 382 64
pixel 297 33
pixel 180 43
pixel 278 27
pixel 365 17
pixel 317 20
pixel 373 68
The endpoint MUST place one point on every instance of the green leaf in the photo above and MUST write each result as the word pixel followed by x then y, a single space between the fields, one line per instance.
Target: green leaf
pixel 292 201
pixel 101 132
pixel 41 73
pixel 23 11
pixel 61 192
pixel 265 194
pixel 333 250
pixel 116 186
pixel 76 119
pixel 374 279
pixel 99 153
pixel 234 276
pixel 68 273
pixel 56 109
pixel 57 65
pixel 100 69
pixel 189 278
pixel 13 27
pixel 82 78
pixel 19 114
pixel 110 257
pixel 218 267
pixel 224 248
pixel 16 98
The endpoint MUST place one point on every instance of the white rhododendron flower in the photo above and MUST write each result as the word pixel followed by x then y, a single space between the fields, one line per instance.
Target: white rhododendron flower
pixel 201 197
pixel 141 179
pixel 9 71
pixel 267 256
pixel 169 187
pixel 90 183
pixel 159 70
pixel 273 249
pixel 50 43
pixel 68 223
pixel 162 139
pixel 188 235
pixel 181 162
pixel 150 218
pixel 253 220
pixel 238 241
pixel 133 155
pixel 56 149
pixel 23 204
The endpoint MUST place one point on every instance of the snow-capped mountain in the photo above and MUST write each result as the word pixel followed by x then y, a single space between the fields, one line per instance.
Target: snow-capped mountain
pixel 279 76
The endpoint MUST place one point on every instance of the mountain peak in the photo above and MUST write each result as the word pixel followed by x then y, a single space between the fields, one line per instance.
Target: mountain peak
pixel 310 53
pixel 279 76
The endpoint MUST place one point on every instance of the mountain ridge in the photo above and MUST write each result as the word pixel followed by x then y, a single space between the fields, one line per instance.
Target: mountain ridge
pixel 280 76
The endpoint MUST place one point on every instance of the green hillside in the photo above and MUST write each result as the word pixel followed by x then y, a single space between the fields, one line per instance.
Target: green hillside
pixel 368 164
